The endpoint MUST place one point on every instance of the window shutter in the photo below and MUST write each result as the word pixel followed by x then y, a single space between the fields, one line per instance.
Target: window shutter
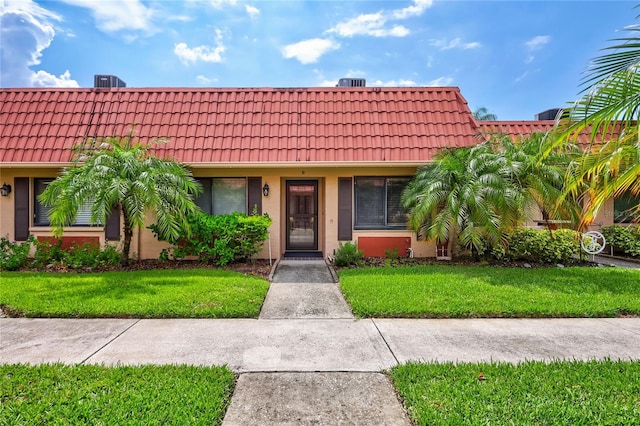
pixel 345 189
pixel 112 227
pixel 21 208
pixel 254 194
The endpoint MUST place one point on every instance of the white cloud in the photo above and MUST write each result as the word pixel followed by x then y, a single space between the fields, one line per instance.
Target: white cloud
pixel 538 42
pixel 201 53
pixel 117 15
pixel 371 24
pixel 455 43
pixel 219 4
pixel 522 76
pixel 394 83
pixel 26 30
pixel 441 81
pixel 44 79
pixel 418 7
pixel 179 18
pixel 375 24
pixel 206 81
pixel 309 51
pixel 252 11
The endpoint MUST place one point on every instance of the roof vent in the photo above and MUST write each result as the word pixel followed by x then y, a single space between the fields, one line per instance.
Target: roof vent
pixel 550 114
pixel 108 81
pixel 352 82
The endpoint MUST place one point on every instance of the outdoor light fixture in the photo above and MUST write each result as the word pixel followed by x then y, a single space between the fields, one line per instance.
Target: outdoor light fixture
pixel 265 190
pixel 5 189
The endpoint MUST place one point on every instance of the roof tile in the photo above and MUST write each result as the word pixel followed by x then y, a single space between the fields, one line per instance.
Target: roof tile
pixel 240 125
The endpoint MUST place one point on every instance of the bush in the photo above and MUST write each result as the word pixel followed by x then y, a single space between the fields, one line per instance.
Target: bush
pixel 13 255
pixel 221 239
pixel 624 239
pixel 89 255
pixel 48 253
pixel 347 255
pixel 543 246
pixel 85 255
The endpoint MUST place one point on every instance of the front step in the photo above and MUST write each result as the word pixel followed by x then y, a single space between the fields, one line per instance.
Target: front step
pixel 302 255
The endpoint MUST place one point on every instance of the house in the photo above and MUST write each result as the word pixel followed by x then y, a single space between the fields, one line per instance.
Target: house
pixel 327 164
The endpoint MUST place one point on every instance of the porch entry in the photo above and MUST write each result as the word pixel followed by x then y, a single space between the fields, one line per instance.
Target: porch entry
pixel 302 215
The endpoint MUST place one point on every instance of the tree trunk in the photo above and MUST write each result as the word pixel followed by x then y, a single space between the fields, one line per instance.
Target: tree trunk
pixel 128 235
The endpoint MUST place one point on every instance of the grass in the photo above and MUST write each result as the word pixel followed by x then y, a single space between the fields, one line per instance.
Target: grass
pixel 194 293
pixel 56 394
pixel 451 291
pixel 531 393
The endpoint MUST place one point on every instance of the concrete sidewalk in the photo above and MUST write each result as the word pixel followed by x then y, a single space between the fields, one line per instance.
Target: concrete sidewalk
pixel 287 345
pixel 314 371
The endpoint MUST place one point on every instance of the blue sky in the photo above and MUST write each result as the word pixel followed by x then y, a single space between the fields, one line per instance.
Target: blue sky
pixel 516 58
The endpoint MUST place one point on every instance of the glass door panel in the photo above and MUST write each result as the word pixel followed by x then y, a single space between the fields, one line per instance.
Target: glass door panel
pixel 302 215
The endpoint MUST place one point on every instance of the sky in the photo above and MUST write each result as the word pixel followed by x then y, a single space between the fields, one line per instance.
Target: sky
pixel 515 58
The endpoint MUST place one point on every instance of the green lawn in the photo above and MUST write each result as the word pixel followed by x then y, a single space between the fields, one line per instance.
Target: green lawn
pixel 193 293
pixel 531 393
pixel 56 394
pixel 451 291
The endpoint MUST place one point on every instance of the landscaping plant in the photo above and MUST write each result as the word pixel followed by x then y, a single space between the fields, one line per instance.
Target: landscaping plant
pixel 544 246
pixel 13 255
pixel 121 173
pixel 625 240
pixel 221 239
pixel 348 254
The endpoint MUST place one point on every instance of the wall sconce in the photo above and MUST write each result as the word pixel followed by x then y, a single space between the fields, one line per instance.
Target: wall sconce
pixel 5 189
pixel 265 190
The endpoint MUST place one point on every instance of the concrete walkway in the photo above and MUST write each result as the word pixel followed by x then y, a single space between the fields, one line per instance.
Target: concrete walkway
pixel 367 345
pixel 306 360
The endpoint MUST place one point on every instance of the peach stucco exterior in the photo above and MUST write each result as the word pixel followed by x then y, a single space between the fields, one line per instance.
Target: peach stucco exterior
pixel 146 246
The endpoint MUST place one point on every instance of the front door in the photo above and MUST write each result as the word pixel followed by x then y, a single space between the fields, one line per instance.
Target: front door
pixel 302 215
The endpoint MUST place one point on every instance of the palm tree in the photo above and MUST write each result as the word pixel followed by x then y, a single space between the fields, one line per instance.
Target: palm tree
pixel 468 193
pixel 483 114
pixel 118 172
pixel 609 109
pixel 542 182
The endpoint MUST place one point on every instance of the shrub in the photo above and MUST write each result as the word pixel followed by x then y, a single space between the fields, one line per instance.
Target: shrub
pixel 13 255
pixel 85 255
pixel 89 255
pixel 221 239
pixel 543 246
pixel 48 253
pixel 624 239
pixel 347 255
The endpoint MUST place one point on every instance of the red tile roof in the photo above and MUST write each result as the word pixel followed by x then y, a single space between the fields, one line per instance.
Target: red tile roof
pixel 218 125
pixel 517 129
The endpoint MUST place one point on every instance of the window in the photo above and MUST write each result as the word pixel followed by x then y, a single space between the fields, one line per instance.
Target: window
pixel 377 202
pixel 223 195
pixel 41 214
pixel 622 207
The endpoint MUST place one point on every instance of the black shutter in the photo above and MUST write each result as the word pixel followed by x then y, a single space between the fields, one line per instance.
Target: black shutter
pixel 112 227
pixel 254 195
pixel 345 215
pixel 21 208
